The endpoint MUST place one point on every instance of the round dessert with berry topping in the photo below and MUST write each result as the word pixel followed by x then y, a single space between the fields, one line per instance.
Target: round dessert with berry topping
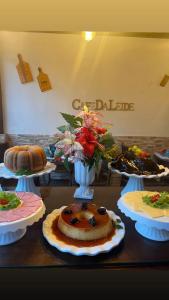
pixel 85 221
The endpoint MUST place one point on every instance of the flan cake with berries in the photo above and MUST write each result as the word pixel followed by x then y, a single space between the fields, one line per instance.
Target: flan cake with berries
pixel 85 222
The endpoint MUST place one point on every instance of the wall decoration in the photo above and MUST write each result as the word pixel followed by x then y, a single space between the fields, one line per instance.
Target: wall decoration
pixel 24 70
pixel 43 80
pixel 99 104
pixel 1 113
pixel 164 80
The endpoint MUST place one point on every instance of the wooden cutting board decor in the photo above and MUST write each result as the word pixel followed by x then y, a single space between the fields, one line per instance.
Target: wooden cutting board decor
pixel 43 80
pixel 24 70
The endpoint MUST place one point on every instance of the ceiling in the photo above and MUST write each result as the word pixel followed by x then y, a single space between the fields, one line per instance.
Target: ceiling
pixel 89 15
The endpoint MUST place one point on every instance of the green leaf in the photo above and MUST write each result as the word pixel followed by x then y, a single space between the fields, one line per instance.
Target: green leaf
pixel 73 121
pixel 63 128
pixel 24 172
pixel 118 220
pixel 118 226
pixel 162 202
pixel 97 157
pixel 12 201
pixel 91 164
pixel 66 164
pixel 58 154
pixel 107 140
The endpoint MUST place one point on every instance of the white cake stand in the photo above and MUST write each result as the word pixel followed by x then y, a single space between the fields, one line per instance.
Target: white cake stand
pixel 161 156
pixel 156 229
pixel 26 182
pixel 135 182
pixel 12 231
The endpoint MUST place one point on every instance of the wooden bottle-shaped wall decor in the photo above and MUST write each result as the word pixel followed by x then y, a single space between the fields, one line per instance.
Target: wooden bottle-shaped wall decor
pixel 24 70
pixel 43 80
pixel 164 80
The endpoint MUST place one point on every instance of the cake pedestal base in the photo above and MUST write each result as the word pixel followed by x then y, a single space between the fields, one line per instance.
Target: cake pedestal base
pixel 152 233
pixel 133 184
pixel 11 237
pixel 84 193
pixel 26 184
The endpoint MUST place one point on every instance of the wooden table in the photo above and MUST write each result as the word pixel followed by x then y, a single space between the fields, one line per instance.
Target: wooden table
pixel 33 252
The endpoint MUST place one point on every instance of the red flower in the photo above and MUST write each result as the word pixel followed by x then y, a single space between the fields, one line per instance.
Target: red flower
pixel 88 141
pixel 101 130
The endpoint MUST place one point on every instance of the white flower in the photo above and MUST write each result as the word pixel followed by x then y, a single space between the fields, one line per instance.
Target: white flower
pixel 77 146
pixel 68 145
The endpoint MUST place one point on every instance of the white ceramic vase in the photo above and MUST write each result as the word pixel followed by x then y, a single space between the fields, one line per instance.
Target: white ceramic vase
pixel 84 177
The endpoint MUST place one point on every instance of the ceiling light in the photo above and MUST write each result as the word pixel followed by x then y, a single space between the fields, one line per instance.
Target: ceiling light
pixel 89 35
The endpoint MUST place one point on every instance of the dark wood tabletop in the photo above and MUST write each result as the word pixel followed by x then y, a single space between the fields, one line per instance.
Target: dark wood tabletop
pixel 134 251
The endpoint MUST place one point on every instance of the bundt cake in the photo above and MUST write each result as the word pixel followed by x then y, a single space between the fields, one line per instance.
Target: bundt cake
pixel 85 221
pixel 28 158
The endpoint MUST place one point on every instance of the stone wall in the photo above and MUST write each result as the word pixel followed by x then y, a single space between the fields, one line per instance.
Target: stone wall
pixel 42 140
pixel 149 144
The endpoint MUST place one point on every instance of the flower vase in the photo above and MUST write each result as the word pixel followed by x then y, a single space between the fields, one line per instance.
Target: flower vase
pixel 84 177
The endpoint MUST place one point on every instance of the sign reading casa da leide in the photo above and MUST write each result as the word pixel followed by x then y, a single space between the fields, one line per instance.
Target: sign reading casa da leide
pixel 109 105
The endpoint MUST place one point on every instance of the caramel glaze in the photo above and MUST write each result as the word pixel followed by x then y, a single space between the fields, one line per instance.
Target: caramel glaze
pixel 60 236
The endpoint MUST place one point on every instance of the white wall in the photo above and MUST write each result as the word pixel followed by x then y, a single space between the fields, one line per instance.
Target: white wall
pixel 79 15
pixel 120 68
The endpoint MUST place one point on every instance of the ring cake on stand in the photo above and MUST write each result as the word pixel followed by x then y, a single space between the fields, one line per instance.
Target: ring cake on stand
pixel 24 163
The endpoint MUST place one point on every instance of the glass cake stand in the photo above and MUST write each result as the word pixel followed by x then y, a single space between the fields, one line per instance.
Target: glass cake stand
pixel 26 182
pixel 135 182
pixel 156 229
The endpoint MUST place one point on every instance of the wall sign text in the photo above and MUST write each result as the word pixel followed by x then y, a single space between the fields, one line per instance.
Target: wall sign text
pixel 109 105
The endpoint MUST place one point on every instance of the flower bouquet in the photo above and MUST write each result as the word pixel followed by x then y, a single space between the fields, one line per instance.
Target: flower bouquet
pixel 84 142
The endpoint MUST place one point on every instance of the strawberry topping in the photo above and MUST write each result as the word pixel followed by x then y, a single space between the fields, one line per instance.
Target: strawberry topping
pixel 155 198
pixel 4 201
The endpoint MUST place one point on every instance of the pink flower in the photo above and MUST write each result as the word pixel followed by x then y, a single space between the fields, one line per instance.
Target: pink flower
pixel 90 119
